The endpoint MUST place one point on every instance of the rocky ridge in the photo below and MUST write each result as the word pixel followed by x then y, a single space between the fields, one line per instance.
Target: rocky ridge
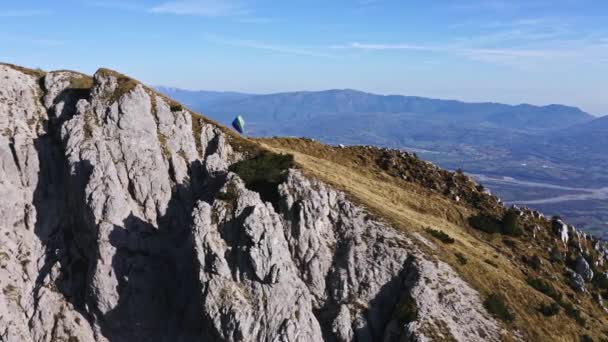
pixel 121 220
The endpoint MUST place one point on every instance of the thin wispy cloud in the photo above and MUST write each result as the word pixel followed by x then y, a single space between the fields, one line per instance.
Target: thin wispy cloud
pixel 522 42
pixel 206 8
pixel 257 45
pixel 515 57
pixel 24 13
pixel 119 5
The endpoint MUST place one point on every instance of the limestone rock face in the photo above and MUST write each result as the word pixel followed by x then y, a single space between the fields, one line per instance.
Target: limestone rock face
pixel 120 221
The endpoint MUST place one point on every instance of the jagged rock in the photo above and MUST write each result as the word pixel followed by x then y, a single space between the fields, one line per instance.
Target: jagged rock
pixel 561 229
pixel 555 255
pixel 576 281
pixel 582 267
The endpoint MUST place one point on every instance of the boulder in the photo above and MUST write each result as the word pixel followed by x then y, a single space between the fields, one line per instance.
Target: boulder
pixel 576 281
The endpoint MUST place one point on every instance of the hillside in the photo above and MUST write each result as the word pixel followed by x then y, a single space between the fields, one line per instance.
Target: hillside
pixel 127 217
pixel 552 145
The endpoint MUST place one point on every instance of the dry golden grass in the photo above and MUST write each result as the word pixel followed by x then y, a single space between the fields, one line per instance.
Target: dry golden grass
pixel 32 72
pixel 411 208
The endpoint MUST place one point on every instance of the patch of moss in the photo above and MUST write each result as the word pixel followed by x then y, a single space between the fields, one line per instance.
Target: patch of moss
pixel 495 304
pixel 197 128
pixel 81 82
pixel 175 107
pixel 163 145
pixel 440 235
pixel 32 72
pixel 125 84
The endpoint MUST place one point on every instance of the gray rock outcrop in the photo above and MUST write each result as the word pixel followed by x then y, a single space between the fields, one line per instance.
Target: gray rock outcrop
pixel 112 229
pixel 582 267
pixel 576 281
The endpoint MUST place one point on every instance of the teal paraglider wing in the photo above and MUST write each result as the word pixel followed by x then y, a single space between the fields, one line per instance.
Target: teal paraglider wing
pixel 239 124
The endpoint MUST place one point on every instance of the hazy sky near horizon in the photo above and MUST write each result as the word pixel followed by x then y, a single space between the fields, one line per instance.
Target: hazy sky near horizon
pixel 532 51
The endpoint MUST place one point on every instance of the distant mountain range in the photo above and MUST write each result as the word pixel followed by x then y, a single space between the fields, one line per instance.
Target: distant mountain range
pixel 547 145
pixel 310 105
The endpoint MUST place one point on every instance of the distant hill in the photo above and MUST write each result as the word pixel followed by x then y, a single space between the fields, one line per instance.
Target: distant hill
pixel 311 105
pixel 199 98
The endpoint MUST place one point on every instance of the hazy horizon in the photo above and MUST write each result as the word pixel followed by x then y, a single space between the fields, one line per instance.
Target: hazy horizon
pixel 372 93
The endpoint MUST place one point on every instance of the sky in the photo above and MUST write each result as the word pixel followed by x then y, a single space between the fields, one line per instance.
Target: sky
pixel 533 51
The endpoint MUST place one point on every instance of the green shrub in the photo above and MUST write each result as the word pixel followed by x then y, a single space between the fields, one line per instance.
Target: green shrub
pixel 495 304
pixel 573 312
pixel 544 287
pixel 461 258
pixel 265 167
pixel 510 224
pixel 549 309
pixel 440 235
pixel 175 107
pixel 485 223
pixel 264 173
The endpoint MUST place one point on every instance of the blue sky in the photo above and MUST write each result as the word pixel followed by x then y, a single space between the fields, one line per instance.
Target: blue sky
pixel 534 51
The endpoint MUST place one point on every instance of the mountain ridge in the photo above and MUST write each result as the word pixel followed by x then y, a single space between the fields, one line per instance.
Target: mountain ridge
pixel 128 217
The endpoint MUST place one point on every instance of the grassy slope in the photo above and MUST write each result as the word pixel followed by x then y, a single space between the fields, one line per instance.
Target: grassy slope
pixel 412 208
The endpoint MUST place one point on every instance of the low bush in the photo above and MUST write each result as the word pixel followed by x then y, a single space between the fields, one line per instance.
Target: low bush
pixel 495 304
pixel 440 235
pixel 573 312
pixel 544 287
pixel 549 309
pixel 461 258
pixel 265 167
pixel 263 174
pixel 485 223
pixel 510 224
